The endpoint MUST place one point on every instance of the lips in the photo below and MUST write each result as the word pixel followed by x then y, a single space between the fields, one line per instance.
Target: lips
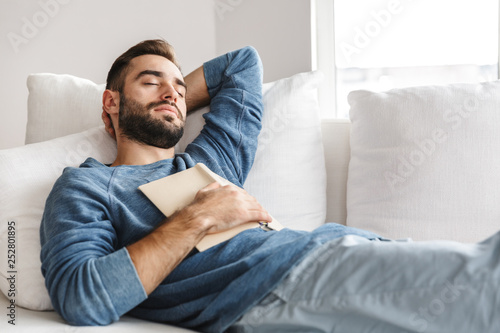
pixel 168 109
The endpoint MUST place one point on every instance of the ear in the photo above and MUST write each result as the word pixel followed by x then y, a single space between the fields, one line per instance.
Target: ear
pixel 111 101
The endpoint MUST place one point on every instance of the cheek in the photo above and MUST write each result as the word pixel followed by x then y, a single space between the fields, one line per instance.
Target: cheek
pixel 139 95
pixel 182 107
pixel 143 98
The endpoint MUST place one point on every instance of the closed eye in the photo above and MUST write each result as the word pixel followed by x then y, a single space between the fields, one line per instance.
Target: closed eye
pixel 151 84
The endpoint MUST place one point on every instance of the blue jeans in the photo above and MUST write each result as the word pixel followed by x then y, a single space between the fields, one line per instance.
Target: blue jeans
pixel 356 285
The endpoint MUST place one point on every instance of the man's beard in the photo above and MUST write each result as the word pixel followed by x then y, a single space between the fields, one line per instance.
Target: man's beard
pixel 137 124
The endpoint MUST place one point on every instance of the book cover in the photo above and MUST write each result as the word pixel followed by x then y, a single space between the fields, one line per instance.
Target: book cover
pixel 174 192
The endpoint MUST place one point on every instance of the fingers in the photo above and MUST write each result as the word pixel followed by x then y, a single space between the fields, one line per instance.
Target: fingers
pixel 228 189
pixel 107 124
pixel 260 215
pixel 228 206
pixel 211 186
pixel 248 208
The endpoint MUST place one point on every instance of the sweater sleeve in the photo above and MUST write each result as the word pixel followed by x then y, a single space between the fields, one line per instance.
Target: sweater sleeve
pixel 89 280
pixel 232 126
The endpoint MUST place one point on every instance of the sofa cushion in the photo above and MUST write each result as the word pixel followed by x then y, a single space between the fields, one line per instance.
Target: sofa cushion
pixel 424 162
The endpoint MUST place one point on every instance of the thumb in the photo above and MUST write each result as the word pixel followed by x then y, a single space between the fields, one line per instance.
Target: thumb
pixel 210 187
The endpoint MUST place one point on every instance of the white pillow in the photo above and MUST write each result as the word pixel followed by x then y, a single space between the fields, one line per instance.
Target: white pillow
pixel 27 175
pixel 425 162
pixel 289 173
pixel 288 177
pixel 59 105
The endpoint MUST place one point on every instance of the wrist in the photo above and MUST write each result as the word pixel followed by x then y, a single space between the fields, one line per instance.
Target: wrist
pixel 186 224
pixel 197 95
pixel 194 221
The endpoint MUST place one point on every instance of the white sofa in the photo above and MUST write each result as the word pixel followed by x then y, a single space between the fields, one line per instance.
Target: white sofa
pixel 418 162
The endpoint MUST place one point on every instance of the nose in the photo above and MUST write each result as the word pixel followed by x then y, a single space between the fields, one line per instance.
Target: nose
pixel 170 94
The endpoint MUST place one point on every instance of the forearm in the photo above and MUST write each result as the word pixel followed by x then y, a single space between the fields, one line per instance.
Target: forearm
pixel 158 254
pixel 197 94
pixel 214 209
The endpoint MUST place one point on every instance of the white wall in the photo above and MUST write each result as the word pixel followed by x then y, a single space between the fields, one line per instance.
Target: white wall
pixel 279 29
pixel 83 37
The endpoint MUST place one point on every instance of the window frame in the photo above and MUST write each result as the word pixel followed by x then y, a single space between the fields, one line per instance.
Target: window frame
pixel 323 52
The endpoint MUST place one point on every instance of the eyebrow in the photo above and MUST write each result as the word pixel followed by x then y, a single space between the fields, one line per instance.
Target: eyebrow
pixel 160 75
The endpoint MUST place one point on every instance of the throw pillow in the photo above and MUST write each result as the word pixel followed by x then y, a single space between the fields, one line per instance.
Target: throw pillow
pixel 424 162
pixel 60 105
pixel 26 178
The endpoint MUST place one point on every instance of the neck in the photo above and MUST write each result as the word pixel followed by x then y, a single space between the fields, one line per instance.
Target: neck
pixel 134 153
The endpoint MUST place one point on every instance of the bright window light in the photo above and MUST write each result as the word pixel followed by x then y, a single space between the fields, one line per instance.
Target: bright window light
pixel 383 44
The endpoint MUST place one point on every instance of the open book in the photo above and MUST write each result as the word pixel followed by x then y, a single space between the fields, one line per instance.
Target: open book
pixel 174 192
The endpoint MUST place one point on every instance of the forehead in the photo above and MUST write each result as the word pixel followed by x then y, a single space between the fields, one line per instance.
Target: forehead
pixel 154 63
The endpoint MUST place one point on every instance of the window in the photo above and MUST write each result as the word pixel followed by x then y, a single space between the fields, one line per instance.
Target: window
pixel 383 44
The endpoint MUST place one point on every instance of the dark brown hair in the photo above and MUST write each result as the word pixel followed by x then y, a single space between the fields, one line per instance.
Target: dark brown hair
pixel 116 75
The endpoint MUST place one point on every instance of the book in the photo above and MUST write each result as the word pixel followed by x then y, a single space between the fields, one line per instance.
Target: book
pixel 174 192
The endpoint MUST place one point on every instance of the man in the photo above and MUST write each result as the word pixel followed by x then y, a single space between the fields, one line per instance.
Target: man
pixel 107 250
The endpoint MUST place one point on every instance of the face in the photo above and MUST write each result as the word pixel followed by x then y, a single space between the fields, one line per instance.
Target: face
pixel 152 104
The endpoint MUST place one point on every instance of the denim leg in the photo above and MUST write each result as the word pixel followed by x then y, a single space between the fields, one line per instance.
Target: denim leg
pixel 356 285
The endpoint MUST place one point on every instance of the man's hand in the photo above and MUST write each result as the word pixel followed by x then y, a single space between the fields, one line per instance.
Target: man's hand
pixel 108 126
pixel 197 92
pixel 224 207
pixel 215 208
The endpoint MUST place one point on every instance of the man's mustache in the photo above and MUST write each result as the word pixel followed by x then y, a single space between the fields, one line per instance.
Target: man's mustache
pixel 153 105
